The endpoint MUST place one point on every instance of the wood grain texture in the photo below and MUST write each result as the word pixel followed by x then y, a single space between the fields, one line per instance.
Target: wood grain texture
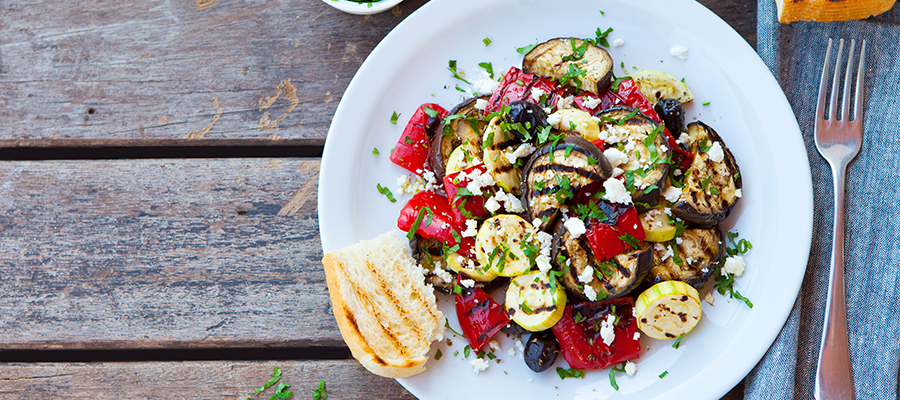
pixel 344 379
pixel 162 254
pixel 145 70
pixel 267 72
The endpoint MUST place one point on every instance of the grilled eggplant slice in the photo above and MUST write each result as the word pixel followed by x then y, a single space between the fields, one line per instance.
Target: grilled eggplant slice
pixel 699 256
pixel 644 145
pixel 428 253
pixel 614 278
pixel 547 59
pixel 711 187
pixel 463 131
pixel 554 173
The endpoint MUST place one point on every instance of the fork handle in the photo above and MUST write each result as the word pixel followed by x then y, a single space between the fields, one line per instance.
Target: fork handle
pixel 834 373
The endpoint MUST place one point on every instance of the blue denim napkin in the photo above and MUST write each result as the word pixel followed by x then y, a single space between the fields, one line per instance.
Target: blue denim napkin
pixel 795 52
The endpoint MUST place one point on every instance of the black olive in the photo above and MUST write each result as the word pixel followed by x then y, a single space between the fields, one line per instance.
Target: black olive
pixel 531 116
pixel 541 351
pixel 671 111
pixel 513 328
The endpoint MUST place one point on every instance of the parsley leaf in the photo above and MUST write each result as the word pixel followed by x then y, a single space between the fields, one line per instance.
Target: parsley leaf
pixel 447 325
pixel 276 376
pixel 526 49
pixel 387 192
pixel 663 375
pixel 320 393
pixel 486 41
pixel 451 66
pixel 394 117
pixel 677 341
pixel 601 38
pixel 375 151
pixel 569 373
pixel 487 67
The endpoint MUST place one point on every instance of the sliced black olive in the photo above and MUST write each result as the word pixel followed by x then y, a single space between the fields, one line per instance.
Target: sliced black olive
pixel 711 189
pixel 547 59
pixel 612 278
pixel 698 256
pixel 671 111
pixel 531 116
pixel 512 328
pixel 631 129
pixel 456 131
pixel 541 351
pixel 554 173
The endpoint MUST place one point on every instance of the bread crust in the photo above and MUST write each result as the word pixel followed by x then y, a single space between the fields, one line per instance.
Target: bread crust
pixel 830 10
pixel 387 328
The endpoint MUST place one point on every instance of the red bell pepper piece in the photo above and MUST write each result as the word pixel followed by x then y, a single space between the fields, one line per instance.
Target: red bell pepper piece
pixel 411 151
pixel 518 85
pixel 467 207
pixel 581 342
pixel 439 224
pixel 604 241
pixel 629 223
pixel 480 317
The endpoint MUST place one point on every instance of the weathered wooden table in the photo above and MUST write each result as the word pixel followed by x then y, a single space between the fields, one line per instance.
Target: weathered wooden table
pixel 158 226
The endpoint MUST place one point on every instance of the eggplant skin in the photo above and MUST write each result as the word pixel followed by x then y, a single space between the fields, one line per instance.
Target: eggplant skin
pixel 456 132
pixel 635 129
pixel 542 178
pixel 701 253
pixel 711 206
pixel 621 275
pixel 546 59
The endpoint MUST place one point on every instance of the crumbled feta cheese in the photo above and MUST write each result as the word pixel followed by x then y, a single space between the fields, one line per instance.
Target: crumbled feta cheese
pixel 512 351
pixel 590 293
pixel 618 42
pixel 575 226
pixel 679 51
pixel 485 85
pixel 523 150
pixel 672 194
pixel 733 265
pixel 615 156
pixel 494 345
pixel 536 94
pixel 607 331
pixel 630 368
pixel 543 258
pixel 738 193
pixel 616 192
pixel 554 119
pixel 409 184
pixel 709 298
pixel 479 364
pixel 678 172
pixel 590 102
pixel 537 223
pixel 668 211
pixel 716 154
pixel 666 252
pixel 443 275
pixel 481 104
pixel 637 336
pixel 520 347
pixel 467 283
pixel 491 204
pixel 471 228
pixel 689 260
pixel 617 171
pixel 565 102
pixel 586 275
pixel 513 205
pixel 678 240
pixel 684 138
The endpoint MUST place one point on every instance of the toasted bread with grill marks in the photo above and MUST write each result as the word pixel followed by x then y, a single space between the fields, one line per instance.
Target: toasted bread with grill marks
pixel 387 315
pixel 830 10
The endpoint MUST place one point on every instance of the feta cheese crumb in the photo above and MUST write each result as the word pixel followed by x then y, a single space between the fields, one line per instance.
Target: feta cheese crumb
pixel 575 226
pixel 630 368
pixel 485 85
pixel 606 329
pixel 738 193
pixel 467 283
pixel 733 265
pixel 615 156
pixel 481 104
pixel 479 364
pixel 678 240
pixel 543 258
pixel 471 228
pixel 679 51
pixel 684 138
pixel 565 102
pixel 537 223
pixel 708 298
pixel 523 150
pixel 716 154
pixel 520 347
pixel 536 94
pixel 586 275
pixel 411 185
pixel 491 204
pixel 618 42
pixel 511 351
pixel 590 102
pixel 666 252
pixel 616 192
pixel 637 336
pixel 672 194
pixel 494 345
pixel 554 119
pixel 443 275
pixel 590 293
pixel 617 171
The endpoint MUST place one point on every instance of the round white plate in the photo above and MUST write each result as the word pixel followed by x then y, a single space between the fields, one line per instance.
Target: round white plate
pixel 364 8
pixel 746 107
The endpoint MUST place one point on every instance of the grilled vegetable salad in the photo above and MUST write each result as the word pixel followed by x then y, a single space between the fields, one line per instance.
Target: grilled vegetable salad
pixel 583 195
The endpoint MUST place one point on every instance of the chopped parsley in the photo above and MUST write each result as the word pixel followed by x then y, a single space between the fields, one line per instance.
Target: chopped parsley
pixel 569 373
pixel 276 376
pixel 487 67
pixel 663 375
pixel 430 112
pixel 486 41
pixel 447 325
pixel 706 103
pixel 601 38
pixel 677 341
pixel 612 375
pixel 438 355
pixel 466 351
pixel 526 49
pixel 451 66
pixel 375 151
pixel 394 117
pixel 573 74
pixel 387 192
pixel 319 393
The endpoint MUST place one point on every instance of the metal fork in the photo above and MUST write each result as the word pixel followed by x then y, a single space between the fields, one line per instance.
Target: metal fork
pixel 838 141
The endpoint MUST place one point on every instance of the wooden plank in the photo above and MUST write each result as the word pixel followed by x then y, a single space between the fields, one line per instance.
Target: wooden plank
pixel 270 73
pixel 162 254
pixel 344 379
pixel 147 70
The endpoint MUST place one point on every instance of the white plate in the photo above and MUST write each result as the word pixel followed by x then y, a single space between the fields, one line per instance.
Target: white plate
pixel 747 108
pixel 363 8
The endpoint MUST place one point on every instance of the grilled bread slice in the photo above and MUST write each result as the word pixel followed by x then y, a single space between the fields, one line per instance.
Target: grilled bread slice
pixel 387 315
pixel 830 10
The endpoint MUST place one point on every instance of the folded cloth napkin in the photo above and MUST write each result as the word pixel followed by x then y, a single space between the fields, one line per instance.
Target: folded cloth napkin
pixel 795 53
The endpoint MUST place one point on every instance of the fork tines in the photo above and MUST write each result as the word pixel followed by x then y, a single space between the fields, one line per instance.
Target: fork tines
pixel 821 116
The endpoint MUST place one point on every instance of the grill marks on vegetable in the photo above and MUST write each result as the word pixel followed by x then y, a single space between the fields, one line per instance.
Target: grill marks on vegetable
pixel 710 188
pixel 700 253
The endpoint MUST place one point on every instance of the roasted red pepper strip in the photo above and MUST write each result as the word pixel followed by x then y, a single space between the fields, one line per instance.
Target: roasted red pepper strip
pixel 439 223
pixel 518 85
pixel 465 206
pixel 411 151
pixel 480 317
pixel 629 223
pixel 604 241
pixel 581 342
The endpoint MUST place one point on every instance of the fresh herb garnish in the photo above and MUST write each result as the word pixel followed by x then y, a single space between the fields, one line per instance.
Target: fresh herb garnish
pixel 677 341
pixel 663 375
pixel 375 151
pixel 430 112
pixel 569 373
pixel 526 49
pixel 394 117
pixel 706 103
pixel 320 393
pixel 486 41
pixel 487 67
pixel 447 325
pixel 387 192
pixel 438 355
pixel 276 376
pixel 601 38
pixel 466 351
pixel 452 68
